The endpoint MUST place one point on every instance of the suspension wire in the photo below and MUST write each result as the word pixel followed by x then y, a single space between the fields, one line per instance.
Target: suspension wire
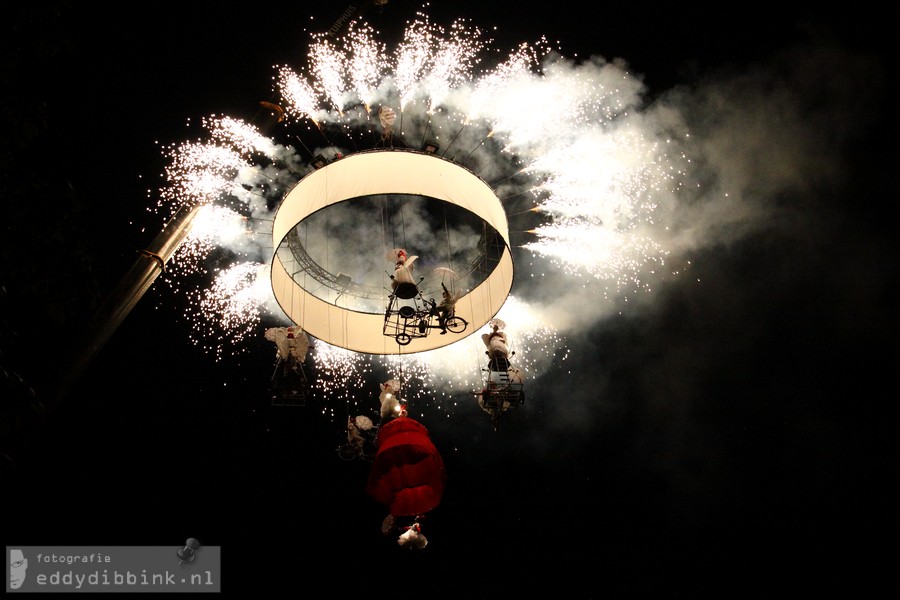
pixel 479 144
pixel 302 143
pixel 349 132
pixel 403 223
pixel 479 369
pixel 388 230
pixel 328 142
pixel 449 251
pixel 425 133
pixel 401 127
pixel 447 233
pixel 399 346
pixel 346 425
pixel 464 125
pixel 533 209
pixel 383 230
pixel 376 136
pixel 507 178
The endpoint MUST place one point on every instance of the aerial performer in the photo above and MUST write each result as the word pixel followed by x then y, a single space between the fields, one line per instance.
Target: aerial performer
pixel 360 435
pixel 407 473
pixel 446 308
pixel 289 378
pixel 291 344
pixel 387 116
pixel 391 404
pixel 504 387
pixel 412 537
pixel 495 341
pixel 404 266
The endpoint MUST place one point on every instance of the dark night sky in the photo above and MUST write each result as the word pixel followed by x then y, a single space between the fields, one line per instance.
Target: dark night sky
pixel 726 437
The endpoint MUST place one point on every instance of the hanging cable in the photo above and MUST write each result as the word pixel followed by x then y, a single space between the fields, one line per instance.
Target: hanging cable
pixel 447 149
pixel 447 234
pixel 403 224
pixel 425 133
pixel 478 145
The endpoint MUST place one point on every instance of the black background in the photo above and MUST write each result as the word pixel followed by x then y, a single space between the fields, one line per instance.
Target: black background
pixel 737 444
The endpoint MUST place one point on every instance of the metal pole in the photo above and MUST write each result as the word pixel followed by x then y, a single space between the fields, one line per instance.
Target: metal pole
pixel 149 265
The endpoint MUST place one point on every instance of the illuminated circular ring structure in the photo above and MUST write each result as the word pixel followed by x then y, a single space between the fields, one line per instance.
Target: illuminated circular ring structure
pixel 391 172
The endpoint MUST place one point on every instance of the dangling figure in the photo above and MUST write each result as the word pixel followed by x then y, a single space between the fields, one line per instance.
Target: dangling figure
pixel 391 404
pixel 495 342
pixel 291 346
pixel 387 116
pixel 289 379
pixel 404 266
pixel 504 384
pixel 447 307
pixel 354 437
pixel 413 538
pixel 360 434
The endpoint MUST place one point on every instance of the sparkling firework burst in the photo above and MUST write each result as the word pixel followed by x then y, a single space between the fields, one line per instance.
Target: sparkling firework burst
pixel 565 144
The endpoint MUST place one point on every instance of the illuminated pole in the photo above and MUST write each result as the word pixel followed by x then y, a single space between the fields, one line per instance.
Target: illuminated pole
pixel 131 288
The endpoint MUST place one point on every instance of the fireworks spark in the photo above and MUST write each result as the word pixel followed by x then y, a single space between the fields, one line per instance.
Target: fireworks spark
pixel 213 227
pixel 328 66
pixel 231 305
pixel 341 378
pixel 570 136
pixel 200 173
pixel 366 62
pixel 299 96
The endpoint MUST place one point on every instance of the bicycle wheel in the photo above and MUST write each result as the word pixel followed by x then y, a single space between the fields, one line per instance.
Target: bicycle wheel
pixel 456 324
pixel 403 338
pixel 346 452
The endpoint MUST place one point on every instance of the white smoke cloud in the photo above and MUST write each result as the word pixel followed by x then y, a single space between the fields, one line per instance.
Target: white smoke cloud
pixel 619 193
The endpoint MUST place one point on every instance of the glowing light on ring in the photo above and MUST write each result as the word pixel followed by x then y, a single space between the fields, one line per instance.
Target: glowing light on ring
pixel 400 172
